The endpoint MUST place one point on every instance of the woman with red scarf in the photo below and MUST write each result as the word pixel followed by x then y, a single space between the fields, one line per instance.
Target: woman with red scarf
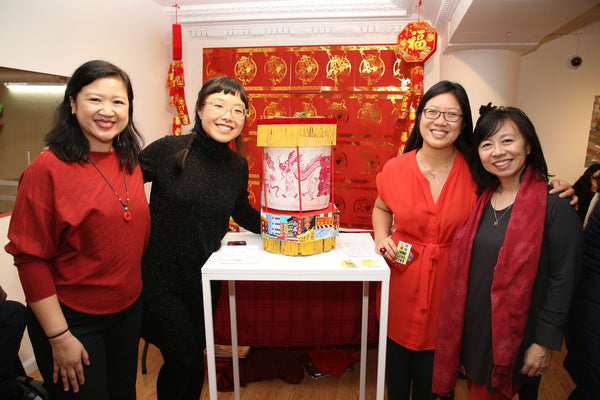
pixel 512 266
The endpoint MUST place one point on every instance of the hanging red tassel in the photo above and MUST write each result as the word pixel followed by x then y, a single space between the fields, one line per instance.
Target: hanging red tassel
pixel 176 81
pixel 177 46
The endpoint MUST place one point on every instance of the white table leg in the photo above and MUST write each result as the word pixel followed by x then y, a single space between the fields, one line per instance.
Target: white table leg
pixel 381 354
pixel 234 341
pixel 363 340
pixel 210 339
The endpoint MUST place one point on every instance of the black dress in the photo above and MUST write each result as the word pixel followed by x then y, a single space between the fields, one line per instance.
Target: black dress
pixel 190 211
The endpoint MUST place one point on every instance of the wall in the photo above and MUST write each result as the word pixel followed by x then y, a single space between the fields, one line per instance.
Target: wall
pixel 22 135
pixel 21 132
pixel 559 99
pixel 57 36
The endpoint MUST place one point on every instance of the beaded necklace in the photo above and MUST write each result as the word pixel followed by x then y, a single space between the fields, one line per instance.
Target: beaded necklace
pixel 126 214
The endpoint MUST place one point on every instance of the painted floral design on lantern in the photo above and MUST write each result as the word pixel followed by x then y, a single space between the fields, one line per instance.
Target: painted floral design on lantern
pixel 284 173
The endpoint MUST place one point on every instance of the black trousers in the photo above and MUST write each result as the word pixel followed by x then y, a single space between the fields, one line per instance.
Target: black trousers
pixel 408 372
pixel 112 343
pixel 12 325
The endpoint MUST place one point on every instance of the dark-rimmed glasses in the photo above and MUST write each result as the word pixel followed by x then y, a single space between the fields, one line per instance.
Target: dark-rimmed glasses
pixel 450 116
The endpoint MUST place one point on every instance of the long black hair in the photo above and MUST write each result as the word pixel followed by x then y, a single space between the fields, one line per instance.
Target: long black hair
pixel 66 139
pixel 218 84
pixel 487 125
pixel 463 142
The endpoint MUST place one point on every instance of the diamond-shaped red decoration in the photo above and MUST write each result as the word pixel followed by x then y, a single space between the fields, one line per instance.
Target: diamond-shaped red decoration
pixel 417 42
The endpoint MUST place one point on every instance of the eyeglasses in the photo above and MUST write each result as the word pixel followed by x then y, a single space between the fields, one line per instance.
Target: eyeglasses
pixel 450 116
pixel 219 108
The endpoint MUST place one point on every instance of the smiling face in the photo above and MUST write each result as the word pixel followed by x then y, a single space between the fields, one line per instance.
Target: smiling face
pixel 221 118
pixel 439 133
pixel 102 111
pixel 504 153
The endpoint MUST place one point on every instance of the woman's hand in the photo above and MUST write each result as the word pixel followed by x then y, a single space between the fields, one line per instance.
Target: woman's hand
pixel 387 248
pixel 537 360
pixel 565 189
pixel 69 356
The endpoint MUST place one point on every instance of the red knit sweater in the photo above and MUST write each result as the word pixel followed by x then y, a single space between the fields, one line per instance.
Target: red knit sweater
pixel 68 236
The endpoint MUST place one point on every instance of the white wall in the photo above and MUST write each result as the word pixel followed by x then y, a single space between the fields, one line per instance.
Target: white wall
pixel 559 99
pixel 59 35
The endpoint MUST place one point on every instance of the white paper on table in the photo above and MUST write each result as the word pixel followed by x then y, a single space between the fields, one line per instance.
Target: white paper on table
pixel 247 254
pixel 356 248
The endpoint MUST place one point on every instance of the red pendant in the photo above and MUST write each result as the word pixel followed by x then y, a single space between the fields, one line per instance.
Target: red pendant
pixel 127 216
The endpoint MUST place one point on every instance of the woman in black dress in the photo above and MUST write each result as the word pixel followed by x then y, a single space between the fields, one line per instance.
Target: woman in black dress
pixel 198 183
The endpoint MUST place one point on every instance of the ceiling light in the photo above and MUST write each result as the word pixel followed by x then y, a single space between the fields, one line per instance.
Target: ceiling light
pixel 35 86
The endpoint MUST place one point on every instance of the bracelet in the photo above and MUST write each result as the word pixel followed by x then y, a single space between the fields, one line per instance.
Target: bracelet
pixel 57 335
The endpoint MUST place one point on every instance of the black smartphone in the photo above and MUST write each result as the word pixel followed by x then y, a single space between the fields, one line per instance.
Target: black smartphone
pixel 236 243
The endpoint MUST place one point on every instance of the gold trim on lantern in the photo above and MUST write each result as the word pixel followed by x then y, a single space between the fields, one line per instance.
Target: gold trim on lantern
pixel 292 135
pixel 295 249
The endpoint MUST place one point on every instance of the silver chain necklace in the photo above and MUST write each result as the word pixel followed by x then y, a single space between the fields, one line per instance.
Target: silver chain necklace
pixel 496 218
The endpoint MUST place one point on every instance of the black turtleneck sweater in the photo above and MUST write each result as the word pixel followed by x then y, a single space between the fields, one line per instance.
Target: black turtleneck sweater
pixel 190 208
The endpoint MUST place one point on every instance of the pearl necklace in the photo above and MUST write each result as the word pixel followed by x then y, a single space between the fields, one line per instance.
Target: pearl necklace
pixel 126 214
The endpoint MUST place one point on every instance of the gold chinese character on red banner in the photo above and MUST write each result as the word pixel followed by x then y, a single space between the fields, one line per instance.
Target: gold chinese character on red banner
pixel 417 42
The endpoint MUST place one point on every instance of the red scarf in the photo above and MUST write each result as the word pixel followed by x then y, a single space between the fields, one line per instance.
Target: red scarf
pixel 514 276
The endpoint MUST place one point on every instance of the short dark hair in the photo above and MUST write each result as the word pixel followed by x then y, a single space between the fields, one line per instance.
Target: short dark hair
pixel 220 84
pixel 66 139
pixel 487 125
pixel 463 142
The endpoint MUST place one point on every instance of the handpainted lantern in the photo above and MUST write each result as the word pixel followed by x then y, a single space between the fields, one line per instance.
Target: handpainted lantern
pixel 298 217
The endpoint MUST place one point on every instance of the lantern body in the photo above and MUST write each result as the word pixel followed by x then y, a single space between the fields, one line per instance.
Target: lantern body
pixel 297 215
pixel 285 174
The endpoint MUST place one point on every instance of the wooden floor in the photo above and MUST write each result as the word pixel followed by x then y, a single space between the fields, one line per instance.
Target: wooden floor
pixel 556 384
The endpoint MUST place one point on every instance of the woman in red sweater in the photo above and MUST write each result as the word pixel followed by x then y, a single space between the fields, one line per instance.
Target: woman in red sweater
pixel 78 231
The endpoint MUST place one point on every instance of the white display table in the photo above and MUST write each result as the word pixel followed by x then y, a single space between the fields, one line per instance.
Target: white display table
pixel 264 266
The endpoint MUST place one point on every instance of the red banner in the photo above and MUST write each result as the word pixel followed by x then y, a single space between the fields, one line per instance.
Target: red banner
pixel 369 89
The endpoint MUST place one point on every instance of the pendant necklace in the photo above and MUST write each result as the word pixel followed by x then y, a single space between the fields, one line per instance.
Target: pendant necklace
pixel 496 218
pixel 126 214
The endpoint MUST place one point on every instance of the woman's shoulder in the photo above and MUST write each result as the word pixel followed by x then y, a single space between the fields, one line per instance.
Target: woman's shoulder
pixel 401 160
pixel 47 161
pixel 171 141
pixel 560 207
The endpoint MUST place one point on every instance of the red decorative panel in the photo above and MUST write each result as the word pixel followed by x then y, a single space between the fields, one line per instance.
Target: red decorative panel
pixel 370 89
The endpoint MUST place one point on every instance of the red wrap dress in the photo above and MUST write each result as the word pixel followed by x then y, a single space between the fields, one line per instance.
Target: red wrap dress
pixel 416 288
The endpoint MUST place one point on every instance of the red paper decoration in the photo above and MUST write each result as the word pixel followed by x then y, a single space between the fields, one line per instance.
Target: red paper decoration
pixel 417 42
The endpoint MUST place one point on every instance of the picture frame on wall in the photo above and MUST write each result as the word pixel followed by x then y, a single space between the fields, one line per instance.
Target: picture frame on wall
pixel 593 150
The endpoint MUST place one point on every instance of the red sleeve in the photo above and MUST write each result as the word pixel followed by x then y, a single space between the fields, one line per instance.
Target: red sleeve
pixel 33 232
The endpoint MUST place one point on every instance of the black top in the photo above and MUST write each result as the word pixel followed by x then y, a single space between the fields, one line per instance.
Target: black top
pixel 190 208
pixel 551 295
pixel 583 332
